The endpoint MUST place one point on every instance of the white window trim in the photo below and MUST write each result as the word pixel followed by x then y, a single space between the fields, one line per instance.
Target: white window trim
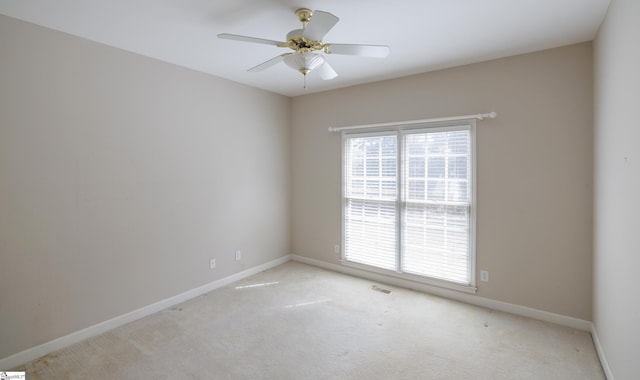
pixel 401 130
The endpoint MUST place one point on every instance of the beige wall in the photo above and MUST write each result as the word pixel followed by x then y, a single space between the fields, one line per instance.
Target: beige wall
pixel 617 188
pixel 534 217
pixel 120 176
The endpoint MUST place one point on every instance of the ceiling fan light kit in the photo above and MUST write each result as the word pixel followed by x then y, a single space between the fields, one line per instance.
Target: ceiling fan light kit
pixel 304 62
pixel 308 47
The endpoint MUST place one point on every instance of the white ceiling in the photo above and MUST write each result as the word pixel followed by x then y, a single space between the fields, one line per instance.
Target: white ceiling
pixel 423 35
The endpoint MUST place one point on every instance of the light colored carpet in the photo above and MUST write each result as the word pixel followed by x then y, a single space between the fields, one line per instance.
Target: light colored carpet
pixel 300 322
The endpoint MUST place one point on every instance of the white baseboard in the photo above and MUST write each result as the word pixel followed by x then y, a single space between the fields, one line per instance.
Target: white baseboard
pixel 524 311
pixel 100 328
pixel 603 360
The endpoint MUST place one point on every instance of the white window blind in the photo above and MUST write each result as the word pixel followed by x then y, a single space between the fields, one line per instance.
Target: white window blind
pixel 370 205
pixel 408 201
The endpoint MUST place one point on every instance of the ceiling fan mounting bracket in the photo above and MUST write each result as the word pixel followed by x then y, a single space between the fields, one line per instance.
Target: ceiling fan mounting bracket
pixel 304 15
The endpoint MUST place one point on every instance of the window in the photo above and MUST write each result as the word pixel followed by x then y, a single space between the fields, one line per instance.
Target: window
pixel 408 197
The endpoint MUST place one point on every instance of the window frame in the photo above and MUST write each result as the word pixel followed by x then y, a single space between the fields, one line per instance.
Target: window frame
pixel 400 131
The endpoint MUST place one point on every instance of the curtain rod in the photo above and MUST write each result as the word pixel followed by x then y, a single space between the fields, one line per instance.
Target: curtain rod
pixel 480 116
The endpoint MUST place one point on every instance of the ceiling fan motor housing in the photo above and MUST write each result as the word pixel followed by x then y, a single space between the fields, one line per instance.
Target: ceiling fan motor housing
pixel 296 41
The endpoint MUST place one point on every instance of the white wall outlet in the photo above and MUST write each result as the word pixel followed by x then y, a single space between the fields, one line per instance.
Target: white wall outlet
pixel 336 248
pixel 238 255
pixel 212 264
pixel 484 275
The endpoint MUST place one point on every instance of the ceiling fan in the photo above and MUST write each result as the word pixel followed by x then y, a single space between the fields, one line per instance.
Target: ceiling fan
pixel 307 45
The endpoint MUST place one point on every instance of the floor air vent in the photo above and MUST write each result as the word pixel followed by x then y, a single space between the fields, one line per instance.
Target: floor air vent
pixel 379 289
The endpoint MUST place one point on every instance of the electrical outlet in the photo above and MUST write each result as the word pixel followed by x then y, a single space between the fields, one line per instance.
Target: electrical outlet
pixel 484 275
pixel 238 255
pixel 212 264
pixel 336 248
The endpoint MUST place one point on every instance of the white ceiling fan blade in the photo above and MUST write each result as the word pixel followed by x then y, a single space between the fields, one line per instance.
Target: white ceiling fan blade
pixel 237 37
pixel 376 51
pixel 265 65
pixel 320 24
pixel 326 71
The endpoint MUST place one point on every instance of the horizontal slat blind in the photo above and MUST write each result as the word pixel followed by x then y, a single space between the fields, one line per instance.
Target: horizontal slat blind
pixel 436 205
pixel 370 200
pixel 408 201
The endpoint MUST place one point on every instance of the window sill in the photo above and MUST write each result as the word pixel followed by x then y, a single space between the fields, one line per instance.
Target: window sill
pixel 412 278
